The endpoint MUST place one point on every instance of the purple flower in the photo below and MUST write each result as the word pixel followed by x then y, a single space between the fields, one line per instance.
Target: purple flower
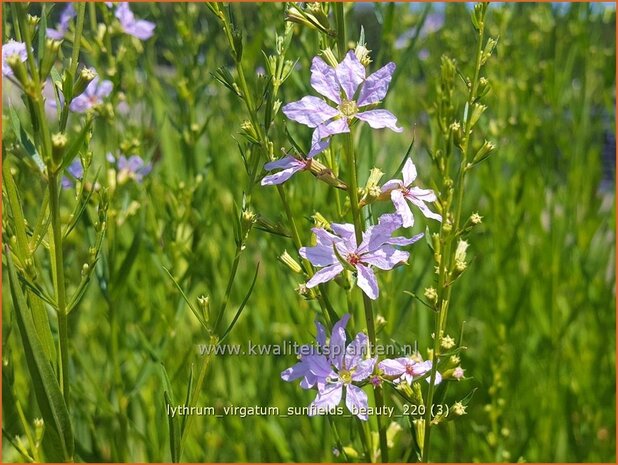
pixel 288 165
pixel 63 26
pixel 407 369
pixel 312 358
pixel 76 170
pixel 9 49
pixel 93 95
pixel 402 190
pixel 133 167
pixel 334 251
pixel 336 372
pixel 347 87
pixel 139 28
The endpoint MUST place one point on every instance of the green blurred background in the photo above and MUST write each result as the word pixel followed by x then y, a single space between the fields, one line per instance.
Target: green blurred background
pixel 538 301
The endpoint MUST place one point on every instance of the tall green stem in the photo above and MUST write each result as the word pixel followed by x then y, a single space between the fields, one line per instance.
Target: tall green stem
pixel 359 228
pixel 54 206
pixel 448 237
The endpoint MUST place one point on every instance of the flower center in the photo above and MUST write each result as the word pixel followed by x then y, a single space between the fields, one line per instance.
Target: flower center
pixel 353 259
pixel 410 369
pixel 348 108
pixel 345 376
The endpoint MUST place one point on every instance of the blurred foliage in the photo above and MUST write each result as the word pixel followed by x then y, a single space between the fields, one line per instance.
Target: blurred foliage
pixel 537 309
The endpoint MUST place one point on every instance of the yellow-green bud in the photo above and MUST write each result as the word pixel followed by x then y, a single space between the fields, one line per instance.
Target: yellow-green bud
pixel 59 142
pixel 458 409
pixel 49 57
pixel 86 75
pixel 447 342
pixel 475 219
pixel 292 264
pixel 431 295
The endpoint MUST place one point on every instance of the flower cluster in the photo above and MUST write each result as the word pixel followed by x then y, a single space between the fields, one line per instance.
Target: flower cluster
pixel 334 368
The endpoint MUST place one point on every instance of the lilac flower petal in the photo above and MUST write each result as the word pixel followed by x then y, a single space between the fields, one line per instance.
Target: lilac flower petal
pixel 76 169
pixel 319 365
pixel 337 126
pixel 408 172
pixel 337 347
pixel 328 398
pixel 376 85
pixel 324 80
pixel 141 29
pixel 319 255
pixel 309 381
pixel 122 163
pixel 110 157
pixel 323 237
pixel 392 184
pixel 320 334
pixel 392 367
pixel 425 209
pixel 283 163
pixel 297 371
pixel 356 401
pixel 366 280
pixel 280 177
pixel 310 111
pixel 66 183
pixel 364 369
pixel 55 34
pixel 378 119
pixel 344 230
pixel 377 235
pixel 80 104
pixel 426 195
pixel 350 74
pixel 386 257
pixel 402 208
pixel 399 240
pixel 325 274
pixel 103 89
pixel 318 145
pixel 356 351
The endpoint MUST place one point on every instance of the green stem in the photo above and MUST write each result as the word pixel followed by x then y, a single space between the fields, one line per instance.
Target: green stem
pixel 228 288
pixel 445 288
pixel 359 228
pixel 54 206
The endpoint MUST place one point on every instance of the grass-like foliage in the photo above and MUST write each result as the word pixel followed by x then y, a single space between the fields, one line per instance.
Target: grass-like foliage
pixel 339 232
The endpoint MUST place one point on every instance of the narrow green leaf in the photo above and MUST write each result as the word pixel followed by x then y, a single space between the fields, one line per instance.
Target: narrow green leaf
pixel 242 305
pixel 168 395
pixel 58 439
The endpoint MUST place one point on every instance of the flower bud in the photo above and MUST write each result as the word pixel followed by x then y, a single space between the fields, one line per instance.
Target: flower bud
pixel 292 264
pixel 59 142
pixel 49 57
pixel 447 342
pixel 483 152
pixel 19 69
pixel 458 409
pixel 320 221
pixel 477 111
pixel 431 295
pixel 85 270
pixel 329 57
pixel 475 219
pixel 86 75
